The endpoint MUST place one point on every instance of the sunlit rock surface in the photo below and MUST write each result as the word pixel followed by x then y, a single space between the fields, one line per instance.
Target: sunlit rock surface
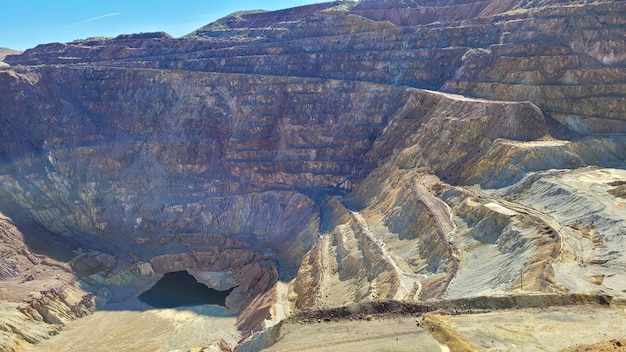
pixel 317 157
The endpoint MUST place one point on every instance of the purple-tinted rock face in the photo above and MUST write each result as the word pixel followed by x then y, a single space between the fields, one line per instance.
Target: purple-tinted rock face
pixel 140 153
pixel 228 152
pixel 141 156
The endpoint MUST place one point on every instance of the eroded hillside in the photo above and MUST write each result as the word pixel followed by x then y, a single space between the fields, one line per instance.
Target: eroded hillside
pixel 314 158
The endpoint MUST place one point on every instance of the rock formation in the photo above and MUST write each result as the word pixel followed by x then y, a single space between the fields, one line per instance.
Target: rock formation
pixel 319 156
pixel 4 52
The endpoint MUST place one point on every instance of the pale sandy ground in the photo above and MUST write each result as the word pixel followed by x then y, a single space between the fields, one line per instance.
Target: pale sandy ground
pixel 138 330
pixel 388 334
pixel 596 248
pixel 547 329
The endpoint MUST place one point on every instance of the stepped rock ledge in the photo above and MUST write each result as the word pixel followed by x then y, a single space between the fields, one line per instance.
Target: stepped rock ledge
pixel 325 162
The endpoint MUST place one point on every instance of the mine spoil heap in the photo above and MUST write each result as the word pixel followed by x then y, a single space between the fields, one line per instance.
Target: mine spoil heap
pixel 313 158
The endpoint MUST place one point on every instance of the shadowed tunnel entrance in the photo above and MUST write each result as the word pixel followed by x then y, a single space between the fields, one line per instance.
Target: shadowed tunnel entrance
pixel 179 289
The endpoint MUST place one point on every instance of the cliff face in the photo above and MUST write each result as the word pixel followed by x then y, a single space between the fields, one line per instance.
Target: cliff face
pixel 300 146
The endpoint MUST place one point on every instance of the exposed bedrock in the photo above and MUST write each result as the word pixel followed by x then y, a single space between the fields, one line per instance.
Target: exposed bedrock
pixel 565 58
pixel 568 60
pixel 38 293
pixel 223 175
pixel 318 156
pixel 224 158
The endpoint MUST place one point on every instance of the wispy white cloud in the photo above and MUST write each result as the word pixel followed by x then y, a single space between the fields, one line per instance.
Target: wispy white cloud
pixel 99 17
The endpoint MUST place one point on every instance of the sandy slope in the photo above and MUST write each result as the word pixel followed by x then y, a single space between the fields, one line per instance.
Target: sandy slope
pixel 134 327
pixel 530 329
pixel 547 329
pixel 387 334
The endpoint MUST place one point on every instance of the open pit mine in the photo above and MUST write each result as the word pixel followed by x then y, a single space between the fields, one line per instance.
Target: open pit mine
pixel 398 175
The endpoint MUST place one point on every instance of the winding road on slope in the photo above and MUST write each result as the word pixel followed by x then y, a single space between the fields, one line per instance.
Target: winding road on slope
pixel 411 283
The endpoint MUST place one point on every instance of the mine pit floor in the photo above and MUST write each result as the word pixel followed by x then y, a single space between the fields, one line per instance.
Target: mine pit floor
pixel 135 326
pixel 528 329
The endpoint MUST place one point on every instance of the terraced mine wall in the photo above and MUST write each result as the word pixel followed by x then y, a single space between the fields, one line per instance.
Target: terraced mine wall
pixel 563 57
pixel 351 151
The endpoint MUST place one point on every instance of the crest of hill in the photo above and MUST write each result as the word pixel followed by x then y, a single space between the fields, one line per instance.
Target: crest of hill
pixel 262 18
pixel 423 12
pixel 6 51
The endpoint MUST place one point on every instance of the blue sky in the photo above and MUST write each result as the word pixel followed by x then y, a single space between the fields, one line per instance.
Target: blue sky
pixel 26 23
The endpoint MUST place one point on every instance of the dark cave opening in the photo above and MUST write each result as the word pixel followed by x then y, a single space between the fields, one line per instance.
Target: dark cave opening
pixel 180 289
